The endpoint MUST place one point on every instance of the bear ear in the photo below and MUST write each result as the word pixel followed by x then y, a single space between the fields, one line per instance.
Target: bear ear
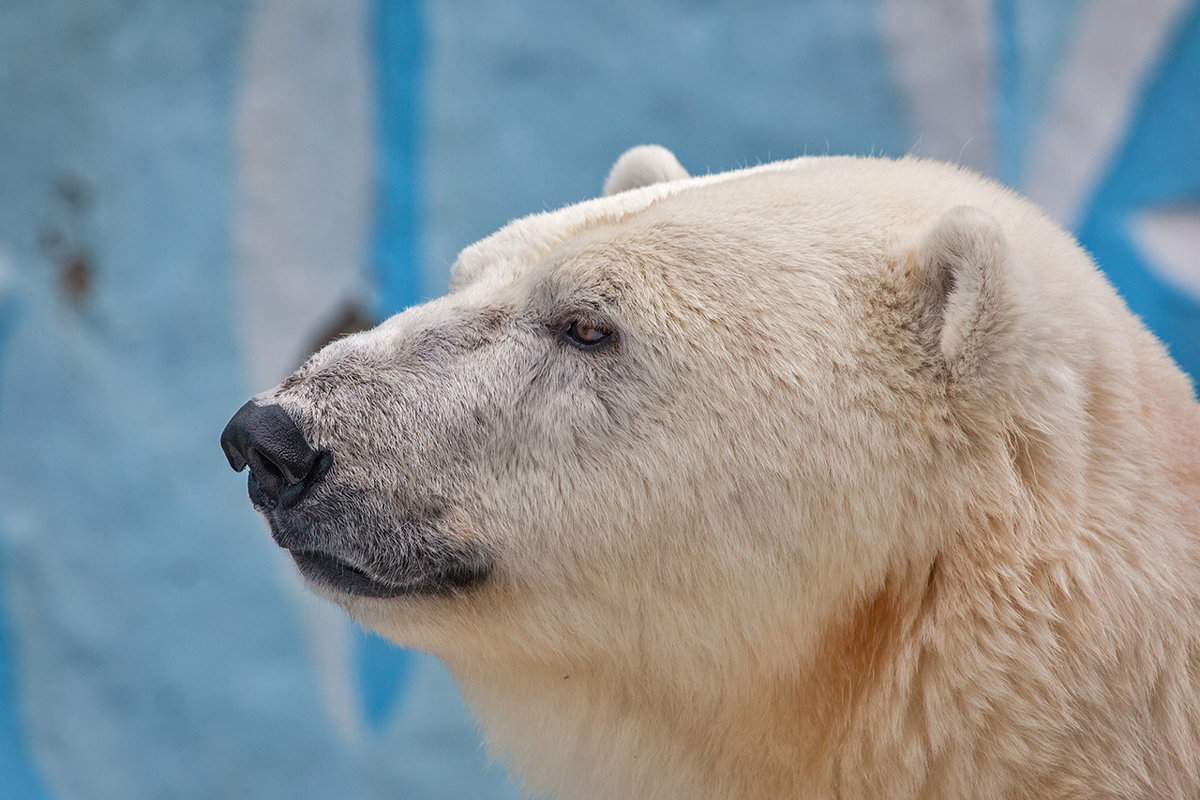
pixel 642 166
pixel 972 292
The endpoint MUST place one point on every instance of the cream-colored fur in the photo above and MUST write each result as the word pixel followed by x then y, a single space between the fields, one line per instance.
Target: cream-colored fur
pixel 642 166
pixel 883 493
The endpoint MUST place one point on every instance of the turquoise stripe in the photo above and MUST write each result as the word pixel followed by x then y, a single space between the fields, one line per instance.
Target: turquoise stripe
pixel 1156 167
pixel 400 51
pixel 383 672
pixel 18 776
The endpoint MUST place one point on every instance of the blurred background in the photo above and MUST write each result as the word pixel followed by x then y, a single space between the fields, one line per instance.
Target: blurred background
pixel 195 194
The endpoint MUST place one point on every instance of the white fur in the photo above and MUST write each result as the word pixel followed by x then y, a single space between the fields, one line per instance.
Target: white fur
pixel 643 166
pixel 883 493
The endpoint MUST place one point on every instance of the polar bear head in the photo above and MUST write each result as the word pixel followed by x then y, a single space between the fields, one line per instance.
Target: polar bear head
pixel 682 432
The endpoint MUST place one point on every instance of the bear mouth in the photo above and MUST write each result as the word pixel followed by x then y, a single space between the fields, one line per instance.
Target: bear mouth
pixel 333 573
pixel 443 575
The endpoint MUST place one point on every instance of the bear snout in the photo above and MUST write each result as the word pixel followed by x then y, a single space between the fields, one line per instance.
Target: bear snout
pixel 283 467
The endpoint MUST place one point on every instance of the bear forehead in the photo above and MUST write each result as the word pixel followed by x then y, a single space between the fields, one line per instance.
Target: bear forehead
pixel 827 203
pixel 509 251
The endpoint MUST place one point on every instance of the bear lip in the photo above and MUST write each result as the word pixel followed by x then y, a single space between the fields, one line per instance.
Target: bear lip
pixel 332 572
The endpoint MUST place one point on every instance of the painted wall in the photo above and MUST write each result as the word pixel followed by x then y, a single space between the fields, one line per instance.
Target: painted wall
pixel 193 195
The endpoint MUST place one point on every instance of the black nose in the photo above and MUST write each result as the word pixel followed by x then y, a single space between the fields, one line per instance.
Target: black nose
pixel 282 465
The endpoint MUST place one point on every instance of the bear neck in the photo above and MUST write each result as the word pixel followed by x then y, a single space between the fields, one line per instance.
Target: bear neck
pixel 673 727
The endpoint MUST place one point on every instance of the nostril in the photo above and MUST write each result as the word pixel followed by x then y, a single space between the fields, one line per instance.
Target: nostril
pixel 268 440
pixel 232 450
pixel 234 457
pixel 261 463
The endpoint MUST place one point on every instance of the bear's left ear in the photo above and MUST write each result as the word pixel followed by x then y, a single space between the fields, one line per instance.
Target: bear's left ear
pixel 642 166
pixel 972 292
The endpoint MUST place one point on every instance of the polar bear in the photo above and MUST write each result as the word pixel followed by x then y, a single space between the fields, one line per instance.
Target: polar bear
pixel 836 477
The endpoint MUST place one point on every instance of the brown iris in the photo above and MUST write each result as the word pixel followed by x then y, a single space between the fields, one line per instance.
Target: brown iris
pixel 585 334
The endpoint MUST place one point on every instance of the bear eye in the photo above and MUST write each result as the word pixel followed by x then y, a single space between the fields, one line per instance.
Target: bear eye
pixel 586 335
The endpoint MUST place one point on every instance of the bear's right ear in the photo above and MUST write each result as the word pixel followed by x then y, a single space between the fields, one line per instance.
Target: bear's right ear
pixel 972 293
pixel 642 166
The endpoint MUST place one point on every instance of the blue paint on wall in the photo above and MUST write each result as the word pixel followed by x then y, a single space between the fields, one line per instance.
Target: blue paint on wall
pixel 1157 167
pixel 19 778
pixel 1006 92
pixel 400 52
pixel 383 672
pixel 8 309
